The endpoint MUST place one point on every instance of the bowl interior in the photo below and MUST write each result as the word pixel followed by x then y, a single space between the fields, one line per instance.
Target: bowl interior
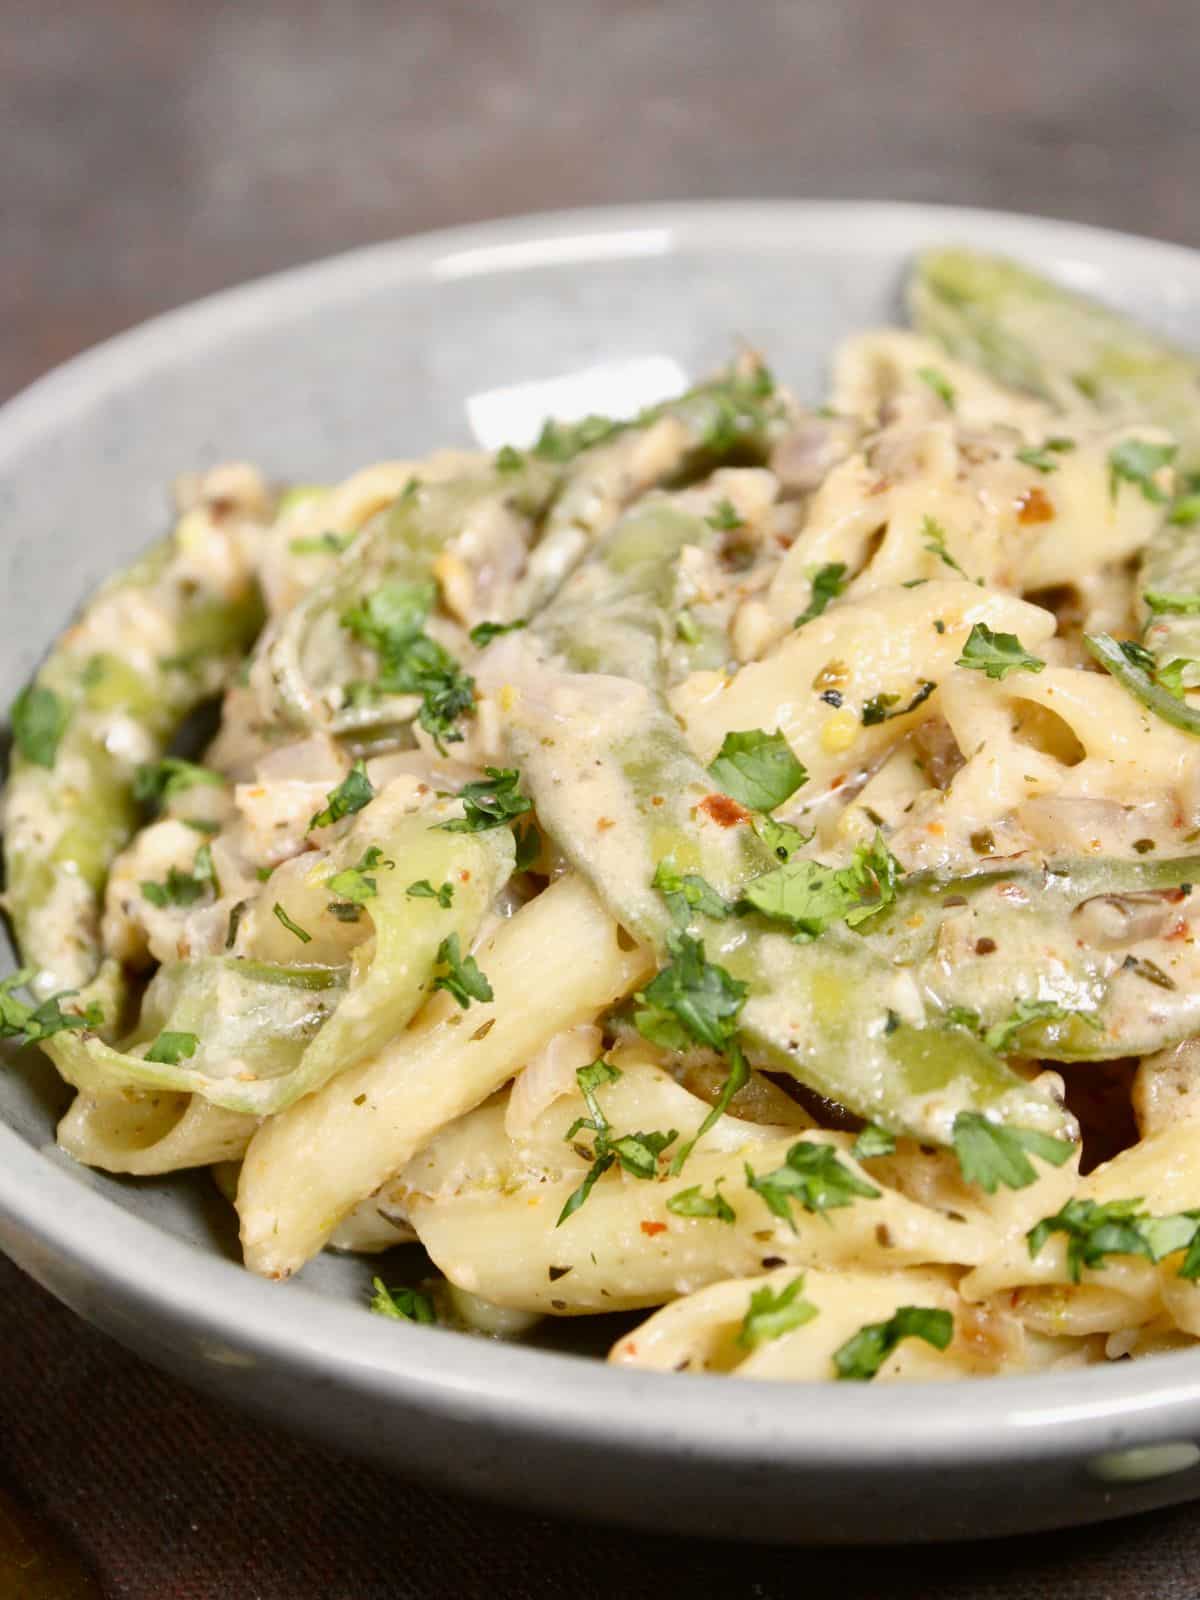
pixel 470 336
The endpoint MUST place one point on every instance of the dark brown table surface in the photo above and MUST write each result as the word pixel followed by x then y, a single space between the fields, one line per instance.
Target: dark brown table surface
pixel 154 150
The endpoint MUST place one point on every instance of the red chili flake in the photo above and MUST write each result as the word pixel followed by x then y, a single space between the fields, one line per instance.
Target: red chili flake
pixel 837 782
pixel 984 947
pixel 651 1228
pixel 726 813
pixel 1034 506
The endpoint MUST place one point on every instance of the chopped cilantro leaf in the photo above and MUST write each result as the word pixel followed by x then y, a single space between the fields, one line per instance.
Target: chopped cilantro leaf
pixel 780 838
pixel 724 517
pixel 863 1354
pixel 292 927
pixel 1185 511
pixel 183 888
pixel 1119 1227
pixel 562 441
pixel 638 1153
pixel 997 654
pixel 462 977
pixel 873 1141
pixel 691 999
pixel 422 889
pixel 687 892
pixel 508 459
pixel 172 1048
pixel 813 1177
pixel 811 897
pixel 935 543
pixel 827 583
pixel 357 883
pixel 991 1154
pixel 1137 461
pixel 939 383
pixel 402 1305
pixel 20 1020
pixel 490 802
pixel 1001 1034
pixel 757 769
pixel 769 1315
pixel 484 632
pixel 694 1203
pixel 1043 457
pixel 39 719
pixel 391 617
pixel 353 793
pixel 695 1000
pixel 391 621
pixel 156 782
pixel 529 847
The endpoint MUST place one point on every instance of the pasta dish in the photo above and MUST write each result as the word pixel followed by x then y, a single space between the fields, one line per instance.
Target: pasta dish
pixel 733 865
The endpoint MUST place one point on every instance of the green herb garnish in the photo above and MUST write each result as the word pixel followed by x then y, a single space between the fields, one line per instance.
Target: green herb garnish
pixel 997 654
pixel 292 927
pixel 484 632
pixel 828 582
pixel 490 802
pixel 357 883
pixel 402 1305
pixel 757 769
pixel 39 719
pixel 422 889
pixel 1044 456
pixel 991 1154
pixel 1136 461
pixel 687 892
pixel 772 1314
pixel 861 1357
pixel 183 888
pixel 810 896
pixel 694 1203
pixel 172 1048
pixel 156 782
pixel 462 977
pixel 939 383
pixel 352 794
pixel 812 1177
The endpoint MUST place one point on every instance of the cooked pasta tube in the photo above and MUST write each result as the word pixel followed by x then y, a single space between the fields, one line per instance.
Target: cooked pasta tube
pixel 562 951
pixel 145 1134
pixel 626 1248
pixel 713 1330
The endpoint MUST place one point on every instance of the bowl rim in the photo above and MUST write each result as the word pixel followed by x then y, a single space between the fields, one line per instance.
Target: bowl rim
pixel 84 1245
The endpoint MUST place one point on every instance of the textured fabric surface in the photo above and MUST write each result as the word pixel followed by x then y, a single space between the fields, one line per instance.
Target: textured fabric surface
pixel 154 150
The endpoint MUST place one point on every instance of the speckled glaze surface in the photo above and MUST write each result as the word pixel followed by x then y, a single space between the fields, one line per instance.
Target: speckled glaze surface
pixel 393 350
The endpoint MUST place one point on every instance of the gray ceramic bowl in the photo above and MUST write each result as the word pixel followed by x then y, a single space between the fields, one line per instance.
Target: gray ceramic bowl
pixel 393 350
